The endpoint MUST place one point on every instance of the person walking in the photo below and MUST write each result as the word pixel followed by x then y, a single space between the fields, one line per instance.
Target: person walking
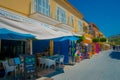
pixel 119 47
pixel 113 47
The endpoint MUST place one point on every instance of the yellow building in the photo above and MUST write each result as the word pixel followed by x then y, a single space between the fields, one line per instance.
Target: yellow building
pixel 96 34
pixel 58 13
pixel 88 38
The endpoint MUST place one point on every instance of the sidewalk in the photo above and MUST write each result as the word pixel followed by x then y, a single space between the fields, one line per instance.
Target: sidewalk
pixel 66 68
pixel 59 71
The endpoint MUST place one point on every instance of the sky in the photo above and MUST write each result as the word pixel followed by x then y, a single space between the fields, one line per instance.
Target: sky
pixel 104 13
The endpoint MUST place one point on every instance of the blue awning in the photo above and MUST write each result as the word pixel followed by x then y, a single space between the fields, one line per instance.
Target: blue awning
pixel 8 34
pixel 71 38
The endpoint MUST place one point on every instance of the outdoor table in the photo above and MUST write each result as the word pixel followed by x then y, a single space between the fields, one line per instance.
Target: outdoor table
pixel 55 57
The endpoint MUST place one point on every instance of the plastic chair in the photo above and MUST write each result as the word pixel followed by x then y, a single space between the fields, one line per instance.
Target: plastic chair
pixel 7 68
pixel 49 63
pixel 22 67
pixel 60 61
pixel 42 62
pixel 2 71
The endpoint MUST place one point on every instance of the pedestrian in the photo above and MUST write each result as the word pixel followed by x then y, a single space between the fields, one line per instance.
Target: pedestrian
pixel 77 55
pixel 113 47
pixel 119 47
pixel 116 48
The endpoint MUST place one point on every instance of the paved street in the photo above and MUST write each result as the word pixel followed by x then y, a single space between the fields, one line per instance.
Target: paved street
pixel 105 66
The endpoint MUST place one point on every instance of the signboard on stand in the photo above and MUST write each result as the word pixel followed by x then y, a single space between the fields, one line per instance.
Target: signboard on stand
pixel 29 66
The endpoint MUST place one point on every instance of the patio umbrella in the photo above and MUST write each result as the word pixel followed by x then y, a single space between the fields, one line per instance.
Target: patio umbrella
pixel 11 35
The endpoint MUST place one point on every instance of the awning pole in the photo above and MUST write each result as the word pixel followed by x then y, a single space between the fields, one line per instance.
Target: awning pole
pixel 51 47
pixel 31 47
pixel 26 46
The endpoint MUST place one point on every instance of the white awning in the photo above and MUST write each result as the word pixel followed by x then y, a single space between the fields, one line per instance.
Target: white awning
pixel 88 38
pixel 78 34
pixel 35 28
pixel 85 44
pixel 57 30
pixel 107 44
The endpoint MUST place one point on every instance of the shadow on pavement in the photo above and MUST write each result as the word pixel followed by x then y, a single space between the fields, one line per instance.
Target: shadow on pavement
pixel 115 55
pixel 58 71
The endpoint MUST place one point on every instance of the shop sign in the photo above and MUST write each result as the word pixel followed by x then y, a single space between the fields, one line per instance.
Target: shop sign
pixel 14 16
pixel 29 66
pixel 21 18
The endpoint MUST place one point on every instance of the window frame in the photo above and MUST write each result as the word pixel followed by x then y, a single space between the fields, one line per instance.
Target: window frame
pixel 43 7
pixel 80 27
pixel 71 20
pixel 61 14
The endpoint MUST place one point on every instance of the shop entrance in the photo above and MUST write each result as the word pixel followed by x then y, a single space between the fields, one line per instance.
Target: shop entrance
pixel 11 49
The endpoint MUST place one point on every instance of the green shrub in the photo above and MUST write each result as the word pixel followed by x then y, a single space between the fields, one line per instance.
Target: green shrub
pixel 96 40
pixel 103 39
pixel 81 38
